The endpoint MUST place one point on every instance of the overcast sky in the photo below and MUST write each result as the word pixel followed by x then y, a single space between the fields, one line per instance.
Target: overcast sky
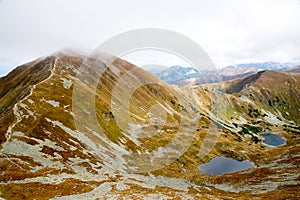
pixel 230 31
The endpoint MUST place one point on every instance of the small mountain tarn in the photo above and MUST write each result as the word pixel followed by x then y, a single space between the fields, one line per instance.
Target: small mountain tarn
pixel 273 140
pixel 222 165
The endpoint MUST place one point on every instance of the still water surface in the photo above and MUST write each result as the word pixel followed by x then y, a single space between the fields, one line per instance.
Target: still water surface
pixel 222 165
pixel 271 139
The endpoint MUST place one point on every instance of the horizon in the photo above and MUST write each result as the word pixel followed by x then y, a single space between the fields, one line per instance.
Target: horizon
pixel 231 32
pixel 150 65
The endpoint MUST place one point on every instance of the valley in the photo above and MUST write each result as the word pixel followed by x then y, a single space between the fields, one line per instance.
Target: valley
pixel 73 128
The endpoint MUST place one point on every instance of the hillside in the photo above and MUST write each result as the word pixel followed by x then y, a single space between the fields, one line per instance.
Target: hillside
pixel 72 127
pixel 272 90
pixel 17 84
pixel 295 69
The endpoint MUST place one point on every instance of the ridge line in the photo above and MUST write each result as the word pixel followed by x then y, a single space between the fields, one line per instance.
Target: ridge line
pixel 8 133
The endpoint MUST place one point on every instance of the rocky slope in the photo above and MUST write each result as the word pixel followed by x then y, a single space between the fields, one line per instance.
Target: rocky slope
pixel 67 135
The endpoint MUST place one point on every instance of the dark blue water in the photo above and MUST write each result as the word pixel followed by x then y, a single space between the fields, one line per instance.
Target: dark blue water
pixel 222 165
pixel 272 139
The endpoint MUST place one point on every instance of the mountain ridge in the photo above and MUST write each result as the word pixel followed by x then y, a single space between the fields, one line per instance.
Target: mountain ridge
pixel 178 75
pixel 48 154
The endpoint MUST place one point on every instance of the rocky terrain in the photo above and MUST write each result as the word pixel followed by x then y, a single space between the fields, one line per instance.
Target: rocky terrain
pixel 74 128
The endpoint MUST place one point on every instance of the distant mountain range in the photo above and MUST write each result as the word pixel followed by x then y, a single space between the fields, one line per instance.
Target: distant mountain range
pixel 256 67
pixel 295 69
pixel 177 72
pixel 178 75
pixel 267 65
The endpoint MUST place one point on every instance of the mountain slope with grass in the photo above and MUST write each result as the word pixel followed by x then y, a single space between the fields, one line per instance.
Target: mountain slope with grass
pixel 72 127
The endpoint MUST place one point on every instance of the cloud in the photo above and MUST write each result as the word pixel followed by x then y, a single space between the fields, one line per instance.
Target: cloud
pixel 230 31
